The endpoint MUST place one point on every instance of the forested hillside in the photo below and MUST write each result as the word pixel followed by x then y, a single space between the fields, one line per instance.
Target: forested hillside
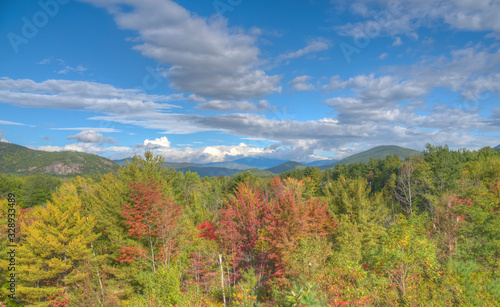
pixel 20 160
pixel 378 152
pixel 420 231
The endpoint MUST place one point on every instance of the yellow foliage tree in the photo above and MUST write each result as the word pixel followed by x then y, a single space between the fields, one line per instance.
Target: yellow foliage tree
pixel 56 241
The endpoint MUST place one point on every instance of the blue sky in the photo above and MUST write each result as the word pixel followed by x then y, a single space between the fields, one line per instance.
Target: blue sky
pixel 211 81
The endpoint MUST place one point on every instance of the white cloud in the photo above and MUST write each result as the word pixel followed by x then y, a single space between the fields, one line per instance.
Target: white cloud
pixel 5 122
pixel 196 98
pixel 157 143
pixel 207 57
pixel 301 84
pixel 88 148
pixel 383 56
pixel 205 154
pixel 382 90
pixel 397 41
pixel 68 68
pixel 101 130
pixel 389 18
pixel 468 71
pixel 91 136
pixel 79 95
pixel 244 106
pixel 44 61
pixel 484 84
pixel 315 45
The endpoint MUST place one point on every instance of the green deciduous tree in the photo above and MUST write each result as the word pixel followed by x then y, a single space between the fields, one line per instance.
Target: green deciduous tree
pixel 360 215
pixel 407 257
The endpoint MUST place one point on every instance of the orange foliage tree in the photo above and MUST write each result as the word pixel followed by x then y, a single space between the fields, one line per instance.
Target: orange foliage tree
pixel 291 219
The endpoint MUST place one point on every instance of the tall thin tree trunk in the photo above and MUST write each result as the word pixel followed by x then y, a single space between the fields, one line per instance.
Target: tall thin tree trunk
pixel 222 279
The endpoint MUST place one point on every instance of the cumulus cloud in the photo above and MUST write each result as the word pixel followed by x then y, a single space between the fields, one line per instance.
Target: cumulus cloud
pixel 384 89
pixel 383 56
pixel 162 146
pixel 301 84
pixel 91 136
pixel 389 18
pixel 206 154
pixel 466 71
pixel 207 57
pixel 158 143
pixel 470 71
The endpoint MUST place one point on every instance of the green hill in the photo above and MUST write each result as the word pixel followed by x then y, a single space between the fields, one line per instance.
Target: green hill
pixel 260 173
pixel 19 160
pixel 378 152
pixel 285 167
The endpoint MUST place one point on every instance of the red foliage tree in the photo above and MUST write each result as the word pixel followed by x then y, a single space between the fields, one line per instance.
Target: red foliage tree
pixel 241 226
pixel 208 231
pixel 202 270
pixel 203 263
pixel 262 234
pixel 154 219
pixel 291 219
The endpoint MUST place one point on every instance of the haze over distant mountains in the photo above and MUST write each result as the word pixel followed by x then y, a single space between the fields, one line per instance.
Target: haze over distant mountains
pixel 275 166
pixel 16 159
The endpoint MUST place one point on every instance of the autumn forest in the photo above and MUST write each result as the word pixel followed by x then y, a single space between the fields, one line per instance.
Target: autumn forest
pixel 423 231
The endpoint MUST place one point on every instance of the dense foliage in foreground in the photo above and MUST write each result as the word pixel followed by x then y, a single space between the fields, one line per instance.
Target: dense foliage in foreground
pixel 419 232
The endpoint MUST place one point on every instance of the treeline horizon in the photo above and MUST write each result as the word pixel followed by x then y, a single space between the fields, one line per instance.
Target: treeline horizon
pixel 423 231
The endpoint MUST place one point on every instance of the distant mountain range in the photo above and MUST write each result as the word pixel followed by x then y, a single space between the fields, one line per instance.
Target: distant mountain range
pixel 15 159
pixel 274 167
pixel 266 167
pixel 20 160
